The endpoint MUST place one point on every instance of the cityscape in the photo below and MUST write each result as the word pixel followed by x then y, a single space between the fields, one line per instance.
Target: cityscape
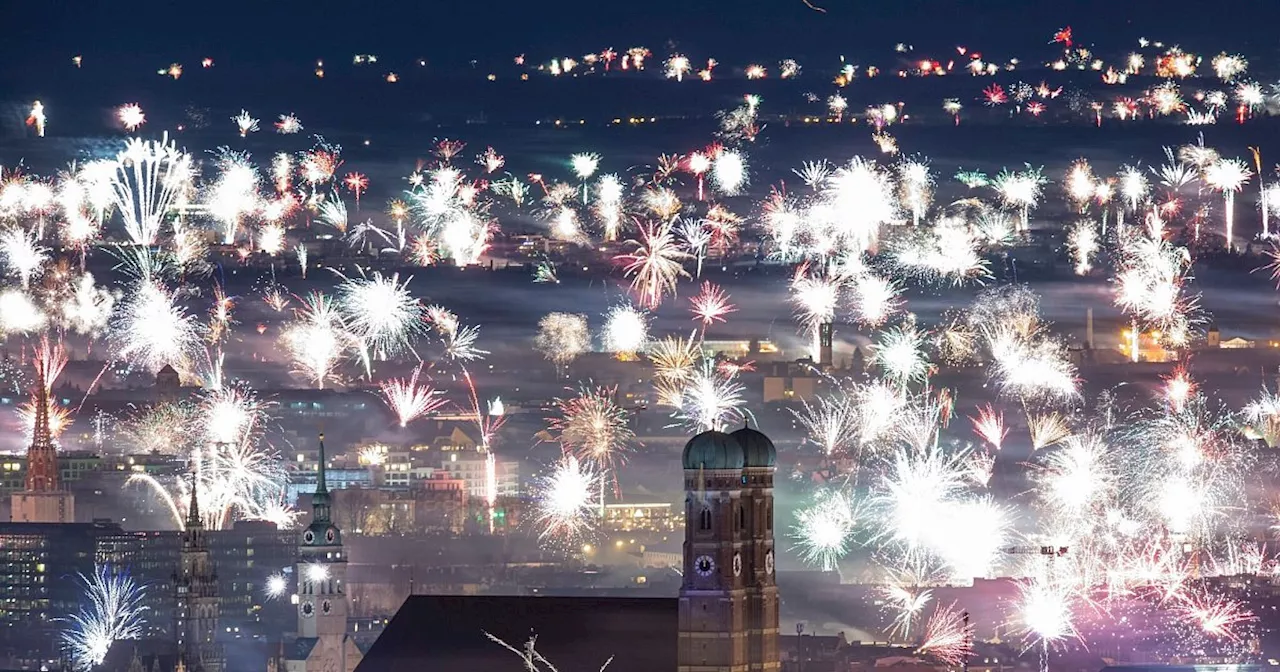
pixel 810 337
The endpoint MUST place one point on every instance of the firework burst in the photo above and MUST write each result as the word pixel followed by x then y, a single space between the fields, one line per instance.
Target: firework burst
pixel 113 610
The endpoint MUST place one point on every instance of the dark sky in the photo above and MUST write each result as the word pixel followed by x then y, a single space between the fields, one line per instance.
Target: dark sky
pixel 455 31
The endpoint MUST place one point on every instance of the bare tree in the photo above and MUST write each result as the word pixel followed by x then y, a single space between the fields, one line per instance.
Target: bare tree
pixel 532 659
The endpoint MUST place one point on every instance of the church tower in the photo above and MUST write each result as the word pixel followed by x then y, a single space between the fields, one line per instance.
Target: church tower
pixel 322 568
pixel 42 500
pixel 729 598
pixel 196 594
pixel 759 462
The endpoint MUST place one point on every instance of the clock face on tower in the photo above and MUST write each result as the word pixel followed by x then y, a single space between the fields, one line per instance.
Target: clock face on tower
pixel 768 563
pixel 326 607
pixel 329 535
pixel 309 537
pixel 737 564
pixel 704 565
pixel 308 609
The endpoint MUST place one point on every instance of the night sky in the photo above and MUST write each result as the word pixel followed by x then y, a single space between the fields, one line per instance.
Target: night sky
pixel 155 32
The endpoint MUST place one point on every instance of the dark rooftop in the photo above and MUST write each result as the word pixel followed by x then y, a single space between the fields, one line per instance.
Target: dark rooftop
pixel 432 632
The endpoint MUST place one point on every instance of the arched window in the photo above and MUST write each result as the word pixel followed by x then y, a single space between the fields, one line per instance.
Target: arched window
pixel 742 517
pixel 704 522
pixel 768 517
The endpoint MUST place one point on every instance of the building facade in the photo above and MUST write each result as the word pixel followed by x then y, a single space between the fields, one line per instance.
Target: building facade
pixel 40 565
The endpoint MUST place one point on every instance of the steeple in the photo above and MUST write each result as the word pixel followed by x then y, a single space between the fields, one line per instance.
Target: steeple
pixel 320 500
pixel 42 460
pixel 193 508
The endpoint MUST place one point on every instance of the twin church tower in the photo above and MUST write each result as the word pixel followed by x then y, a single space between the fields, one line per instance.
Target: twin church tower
pixel 729 597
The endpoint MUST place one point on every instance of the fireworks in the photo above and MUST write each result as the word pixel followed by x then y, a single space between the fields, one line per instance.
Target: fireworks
pixel 900 354
pixel 565 504
pixel 131 116
pixel 990 426
pixel 22 253
pixel 853 203
pixel 149 176
pixel 277 585
pixel 235 480
pixel 948 637
pixel 1082 239
pixel 823 530
pixel 408 399
pixel 1217 615
pixel 626 331
pixel 37 118
pixel 1149 286
pixel 710 305
pixel 562 338
pixel 655 263
pixel 152 329
pixel 112 610
pixel 948 251
pixel 914 188
pixel 1045 611
pixel 831 422
pixel 674 358
pixel 594 427
pixel 317 339
pixel 288 125
pixel 584 165
pixel 712 399
pixel 459 340
pixel 1227 176
pixel 245 123
pixel 815 296
pixel 1020 190
pixel 729 172
pixel 234 195
pixel 380 312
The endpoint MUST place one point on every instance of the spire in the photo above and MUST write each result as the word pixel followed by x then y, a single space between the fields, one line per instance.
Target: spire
pixel 320 499
pixel 42 460
pixel 41 436
pixel 322 488
pixel 193 508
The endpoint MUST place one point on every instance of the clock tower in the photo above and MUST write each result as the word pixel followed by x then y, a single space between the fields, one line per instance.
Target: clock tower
pixel 714 623
pixel 322 568
pixel 759 462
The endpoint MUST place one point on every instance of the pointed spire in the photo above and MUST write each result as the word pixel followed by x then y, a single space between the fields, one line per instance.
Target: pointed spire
pixel 320 499
pixel 42 461
pixel 321 486
pixel 193 508
pixel 41 436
